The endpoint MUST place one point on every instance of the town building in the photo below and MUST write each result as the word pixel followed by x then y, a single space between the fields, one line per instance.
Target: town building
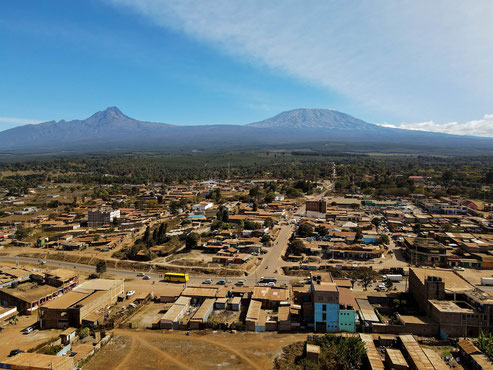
pixel 86 299
pixel 99 217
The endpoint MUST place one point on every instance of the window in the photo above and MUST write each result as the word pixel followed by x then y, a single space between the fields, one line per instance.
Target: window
pixel 324 317
pixel 324 307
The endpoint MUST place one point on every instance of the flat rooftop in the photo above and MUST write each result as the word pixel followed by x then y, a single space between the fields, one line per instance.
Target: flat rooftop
pixel 200 292
pixel 30 292
pixel 98 284
pixel 449 306
pixel 420 320
pixel 271 294
pixel 66 300
pixel 36 361
pixel 325 287
pixel 453 282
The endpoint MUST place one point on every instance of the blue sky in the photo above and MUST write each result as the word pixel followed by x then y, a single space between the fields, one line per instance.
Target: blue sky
pixel 415 65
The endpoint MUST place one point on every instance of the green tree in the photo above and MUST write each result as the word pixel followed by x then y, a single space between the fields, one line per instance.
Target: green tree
pixel 101 267
pixel 269 222
pixel 366 280
pixel 321 230
pixel 192 240
pixel 383 239
pixel 22 232
pixel 305 230
pixel 296 247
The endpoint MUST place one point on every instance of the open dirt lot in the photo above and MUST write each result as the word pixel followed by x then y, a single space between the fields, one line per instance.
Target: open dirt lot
pixel 11 337
pixel 175 350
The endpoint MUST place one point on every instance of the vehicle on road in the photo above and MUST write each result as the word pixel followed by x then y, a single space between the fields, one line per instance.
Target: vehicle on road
pixel 459 268
pixel 240 283
pixel 268 280
pixel 380 287
pixel 392 277
pixel 486 281
pixel 140 274
pixel 175 277
pixel 207 281
pixel 146 277
pixel 28 330
pixel 221 282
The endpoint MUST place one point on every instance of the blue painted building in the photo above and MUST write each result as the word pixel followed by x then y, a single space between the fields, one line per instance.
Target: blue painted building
pixel 334 306
pixel 325 304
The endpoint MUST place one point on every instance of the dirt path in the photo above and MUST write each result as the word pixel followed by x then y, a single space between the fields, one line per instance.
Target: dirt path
pixel 130 354
pixel 232 350
pixel 143 339
pixel 167 357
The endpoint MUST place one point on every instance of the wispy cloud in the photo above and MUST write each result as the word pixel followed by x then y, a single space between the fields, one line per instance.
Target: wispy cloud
pixel 480 127
pixel 411 59
pixel 19 121
pixel 10 122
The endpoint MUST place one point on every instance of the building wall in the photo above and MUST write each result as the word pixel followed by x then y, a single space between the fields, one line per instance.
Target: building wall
pixel 347 320
pixel 423 292
pixel 316 206
pixel 326 316
pixel 62 318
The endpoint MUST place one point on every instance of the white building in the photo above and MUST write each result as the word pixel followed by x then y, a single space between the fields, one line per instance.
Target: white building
pixel 202 206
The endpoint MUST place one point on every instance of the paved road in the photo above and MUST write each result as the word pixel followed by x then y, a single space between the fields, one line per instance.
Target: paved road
pixel 124 274
pixel 271 262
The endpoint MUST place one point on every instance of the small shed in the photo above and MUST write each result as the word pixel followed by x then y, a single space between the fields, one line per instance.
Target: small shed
pixel 312 352
pixel 221 303
pixel 235 303
pixel 68 335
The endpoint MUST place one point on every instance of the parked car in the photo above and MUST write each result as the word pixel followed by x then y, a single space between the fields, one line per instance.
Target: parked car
pixel 270 284
pixel 93 276
pixel 130 293
pixel 221 282
pixel 207 281
pixel 240 283
pixel 15 352
pixel 28 330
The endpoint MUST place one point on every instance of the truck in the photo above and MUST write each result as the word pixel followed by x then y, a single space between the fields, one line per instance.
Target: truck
pixel 487 281
pixel 392 277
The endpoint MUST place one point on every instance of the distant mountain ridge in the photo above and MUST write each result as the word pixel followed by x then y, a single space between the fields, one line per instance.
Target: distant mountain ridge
pixel 314 118
pixel 110 130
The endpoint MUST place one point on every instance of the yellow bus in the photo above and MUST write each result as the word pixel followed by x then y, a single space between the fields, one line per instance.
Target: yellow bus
pixel 175 277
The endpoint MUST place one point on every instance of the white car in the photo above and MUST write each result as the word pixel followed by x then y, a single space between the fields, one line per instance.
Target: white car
pixel 207 281
pixel 130 293
pixel 140 274
pixel 270 284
